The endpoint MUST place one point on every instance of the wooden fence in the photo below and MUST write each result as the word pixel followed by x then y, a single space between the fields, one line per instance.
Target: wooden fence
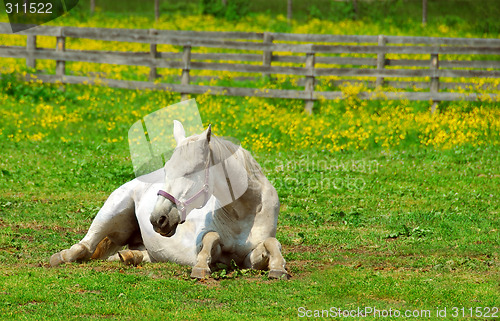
pixel 422 68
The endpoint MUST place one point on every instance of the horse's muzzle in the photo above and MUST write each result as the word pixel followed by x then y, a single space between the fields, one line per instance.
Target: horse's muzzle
pixel 165 224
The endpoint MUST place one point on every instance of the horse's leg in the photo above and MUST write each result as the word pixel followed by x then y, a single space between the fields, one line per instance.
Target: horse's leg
pixel 115 221
pixel 135 254
pixel 211 248
pixel 104 249
pixel 132 257
pixel 76 252
pixel 268 255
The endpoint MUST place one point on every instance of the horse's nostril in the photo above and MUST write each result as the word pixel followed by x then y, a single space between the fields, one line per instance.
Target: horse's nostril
pixel 162 220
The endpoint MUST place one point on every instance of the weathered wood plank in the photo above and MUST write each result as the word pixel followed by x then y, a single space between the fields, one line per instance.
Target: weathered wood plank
pixel 186 67
pixel 324 38
pixel 96 33
pixel 412 96
pixel 310 81
pixel 381 60
pixel 30 48
pixel 190 89
pixel 495 64
pixel 327 60
pixel 41 30
pixel 13 52
pixel 267 56
pixel 268 93
pixel 60 48
pixel 434 86
pixel 389 49
pixel 401 84
pixel 153 52
pixel 117 58
pixel 227 57
pixel 249 68
pixel 214 34
pixel 358 72
pixel 434 66
pixel 390 39
pixel 443 41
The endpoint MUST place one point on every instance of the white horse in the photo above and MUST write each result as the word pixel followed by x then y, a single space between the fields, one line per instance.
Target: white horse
pixel 243 227
pixel 216 206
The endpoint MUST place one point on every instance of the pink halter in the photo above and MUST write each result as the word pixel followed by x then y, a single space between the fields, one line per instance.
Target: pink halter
pixel 181 205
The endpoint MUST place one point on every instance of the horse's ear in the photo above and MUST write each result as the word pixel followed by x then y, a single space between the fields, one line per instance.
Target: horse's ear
pixel 179 133
pixel 209 132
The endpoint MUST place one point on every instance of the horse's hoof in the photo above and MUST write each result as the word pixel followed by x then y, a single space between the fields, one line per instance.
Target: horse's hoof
pixel 200 273
pixel 129 257
pixel 56 259
pixel 279 274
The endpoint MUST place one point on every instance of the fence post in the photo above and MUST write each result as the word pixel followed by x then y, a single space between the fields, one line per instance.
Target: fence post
pixel 153 49
pixel 434 87
pixel 186 66
pixel 380 61
pixel 30 48
pixel 267 57
pixel 60 47
pixel 309 86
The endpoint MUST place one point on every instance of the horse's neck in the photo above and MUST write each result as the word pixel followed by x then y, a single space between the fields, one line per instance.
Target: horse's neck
pixel 244 206
pixel 235 189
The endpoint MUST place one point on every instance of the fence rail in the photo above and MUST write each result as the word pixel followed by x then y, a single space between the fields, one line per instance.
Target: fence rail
pixel 379 61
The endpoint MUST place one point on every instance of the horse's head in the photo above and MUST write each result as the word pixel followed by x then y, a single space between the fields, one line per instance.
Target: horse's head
pixel 187 181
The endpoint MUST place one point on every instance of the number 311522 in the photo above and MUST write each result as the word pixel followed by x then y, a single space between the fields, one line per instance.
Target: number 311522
pixel 28 7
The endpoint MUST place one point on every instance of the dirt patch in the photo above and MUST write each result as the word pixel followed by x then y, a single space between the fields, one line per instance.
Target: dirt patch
pixel 41 227
pixel 300 248
pixel 210 282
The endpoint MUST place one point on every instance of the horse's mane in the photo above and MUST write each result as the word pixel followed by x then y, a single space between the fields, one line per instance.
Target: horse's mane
pixel 223 149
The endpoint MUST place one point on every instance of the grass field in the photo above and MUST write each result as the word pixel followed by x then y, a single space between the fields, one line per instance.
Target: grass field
pixel 383 205
pixel 411 230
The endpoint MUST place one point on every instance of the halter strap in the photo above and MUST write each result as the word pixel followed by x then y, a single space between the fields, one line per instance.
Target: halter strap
pixel 181 205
